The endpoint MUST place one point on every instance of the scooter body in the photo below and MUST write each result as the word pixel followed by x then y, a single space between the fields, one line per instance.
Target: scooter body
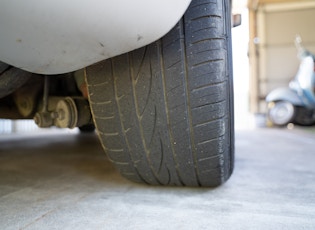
pixel 295 103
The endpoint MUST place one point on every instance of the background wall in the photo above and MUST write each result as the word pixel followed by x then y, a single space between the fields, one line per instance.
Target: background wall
pixel 273 31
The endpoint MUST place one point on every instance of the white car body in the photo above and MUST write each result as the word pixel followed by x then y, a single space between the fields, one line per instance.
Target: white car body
pixel 53 37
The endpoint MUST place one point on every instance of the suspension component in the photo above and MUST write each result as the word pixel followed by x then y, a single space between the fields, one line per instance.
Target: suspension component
pixel 63 112
pixel 72 112
pixel 44 119
pixel 68 112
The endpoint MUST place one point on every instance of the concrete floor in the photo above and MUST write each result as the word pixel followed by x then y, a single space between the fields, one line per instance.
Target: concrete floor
pixel 64 181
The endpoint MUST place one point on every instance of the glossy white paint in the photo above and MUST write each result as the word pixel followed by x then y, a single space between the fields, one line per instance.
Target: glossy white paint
pixel 52 37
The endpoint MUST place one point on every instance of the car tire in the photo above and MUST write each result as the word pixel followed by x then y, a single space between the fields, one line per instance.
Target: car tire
pixel 89 128
pixel 164 112
pixel 11 79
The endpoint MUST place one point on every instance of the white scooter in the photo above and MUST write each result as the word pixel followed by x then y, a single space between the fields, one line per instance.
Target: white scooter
pixel 296 103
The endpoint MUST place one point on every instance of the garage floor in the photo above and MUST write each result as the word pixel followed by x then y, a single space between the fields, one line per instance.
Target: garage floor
pixel 64 181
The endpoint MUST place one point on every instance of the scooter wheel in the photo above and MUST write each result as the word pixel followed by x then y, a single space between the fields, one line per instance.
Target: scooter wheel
pixel 281 113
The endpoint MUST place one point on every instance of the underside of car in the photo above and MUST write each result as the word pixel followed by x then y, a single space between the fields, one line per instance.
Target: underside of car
pixel 163 112
pixel 54 100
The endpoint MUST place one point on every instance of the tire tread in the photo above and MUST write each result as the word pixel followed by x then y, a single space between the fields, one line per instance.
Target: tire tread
pixel 163 111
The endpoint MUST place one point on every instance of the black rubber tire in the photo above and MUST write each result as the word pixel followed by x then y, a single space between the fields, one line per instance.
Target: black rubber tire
pixel 11 79
pixel 304 116
pixel 90 128
pixel 164 113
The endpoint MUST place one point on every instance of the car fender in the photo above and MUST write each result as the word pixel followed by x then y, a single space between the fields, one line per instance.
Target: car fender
pixel 53 37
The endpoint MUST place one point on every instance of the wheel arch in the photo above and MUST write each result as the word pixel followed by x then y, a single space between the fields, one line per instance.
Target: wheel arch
pixel 54 37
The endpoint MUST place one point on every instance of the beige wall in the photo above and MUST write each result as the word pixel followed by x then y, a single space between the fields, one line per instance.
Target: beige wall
pixel 277 25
